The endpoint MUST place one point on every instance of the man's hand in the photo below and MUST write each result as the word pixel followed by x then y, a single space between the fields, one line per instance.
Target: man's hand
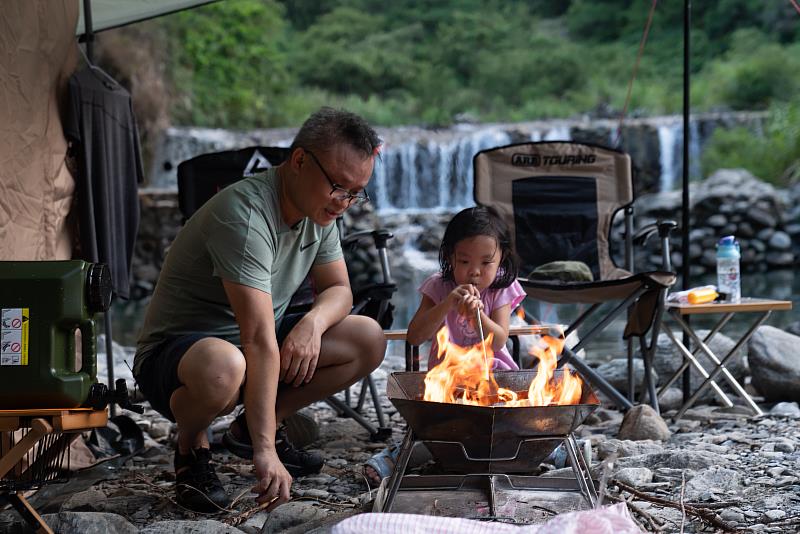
pixel 300 352
pixel 273 481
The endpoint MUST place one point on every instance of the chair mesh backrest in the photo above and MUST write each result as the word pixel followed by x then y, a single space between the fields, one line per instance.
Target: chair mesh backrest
pixel 201 177
pixel 558 198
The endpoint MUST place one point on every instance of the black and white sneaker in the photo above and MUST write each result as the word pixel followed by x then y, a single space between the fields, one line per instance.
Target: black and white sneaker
pixel 297 462
pixel 197 486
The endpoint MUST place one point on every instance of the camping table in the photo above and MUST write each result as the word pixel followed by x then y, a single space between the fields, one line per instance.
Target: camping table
pixel 762 308
pixel 40 423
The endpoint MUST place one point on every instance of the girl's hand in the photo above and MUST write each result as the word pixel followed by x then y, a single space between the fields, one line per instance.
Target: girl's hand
pixel 470 300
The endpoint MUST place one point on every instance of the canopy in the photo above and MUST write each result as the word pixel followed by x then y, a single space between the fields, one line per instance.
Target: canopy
pixel 107 14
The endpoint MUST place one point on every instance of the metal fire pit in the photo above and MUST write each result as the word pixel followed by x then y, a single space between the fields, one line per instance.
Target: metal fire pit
pixel 488 441
pixel 494 439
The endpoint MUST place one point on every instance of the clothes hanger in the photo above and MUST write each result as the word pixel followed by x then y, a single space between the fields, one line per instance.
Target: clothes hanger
pixel 99 73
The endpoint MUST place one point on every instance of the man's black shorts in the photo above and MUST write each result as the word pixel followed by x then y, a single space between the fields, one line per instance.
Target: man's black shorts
pixel 158 375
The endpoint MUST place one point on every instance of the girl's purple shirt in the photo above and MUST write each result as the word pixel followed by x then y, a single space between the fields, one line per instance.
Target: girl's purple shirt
pixel 461 331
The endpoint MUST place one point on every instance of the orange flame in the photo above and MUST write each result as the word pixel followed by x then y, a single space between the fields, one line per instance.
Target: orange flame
pixel 461 377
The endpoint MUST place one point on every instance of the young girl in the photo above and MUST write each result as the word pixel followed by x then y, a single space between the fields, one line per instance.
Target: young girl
pixel 478 273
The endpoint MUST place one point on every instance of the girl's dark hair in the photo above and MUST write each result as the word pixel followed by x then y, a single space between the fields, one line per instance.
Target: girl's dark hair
pixel 471 222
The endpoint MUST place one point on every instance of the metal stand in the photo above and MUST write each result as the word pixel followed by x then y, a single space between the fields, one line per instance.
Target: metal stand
pixel 762 307
pixel 489 482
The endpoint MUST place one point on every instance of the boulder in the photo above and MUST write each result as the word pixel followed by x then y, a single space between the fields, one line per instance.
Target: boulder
pixel 772 354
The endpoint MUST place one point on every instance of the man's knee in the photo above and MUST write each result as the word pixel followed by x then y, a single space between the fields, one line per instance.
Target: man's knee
pixel 213 370
pixel 371 342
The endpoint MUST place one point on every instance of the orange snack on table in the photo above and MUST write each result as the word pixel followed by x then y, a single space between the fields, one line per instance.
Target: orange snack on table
pixel 702 295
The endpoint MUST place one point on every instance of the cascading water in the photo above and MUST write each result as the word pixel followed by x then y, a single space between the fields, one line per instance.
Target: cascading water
pixel 424 170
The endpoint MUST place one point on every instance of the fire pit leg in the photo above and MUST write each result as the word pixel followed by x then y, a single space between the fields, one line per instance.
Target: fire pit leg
pixel 582 474
pixel 393 484
pixel 492 497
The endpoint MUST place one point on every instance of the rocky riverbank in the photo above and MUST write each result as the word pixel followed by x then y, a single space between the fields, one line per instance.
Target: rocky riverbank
pixel 716 469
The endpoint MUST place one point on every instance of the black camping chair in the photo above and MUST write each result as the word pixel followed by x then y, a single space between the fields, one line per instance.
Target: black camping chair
pixel 559 200
pixel 201 177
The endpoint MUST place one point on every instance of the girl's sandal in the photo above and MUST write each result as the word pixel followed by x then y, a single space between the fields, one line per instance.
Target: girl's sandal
pixel 381 465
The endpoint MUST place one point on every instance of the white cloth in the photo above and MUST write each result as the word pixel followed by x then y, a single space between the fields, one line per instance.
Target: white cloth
pixel 613 519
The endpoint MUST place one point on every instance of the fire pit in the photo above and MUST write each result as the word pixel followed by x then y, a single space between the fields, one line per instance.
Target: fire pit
pixel 490 425
pixel 488 441
pixel 493 439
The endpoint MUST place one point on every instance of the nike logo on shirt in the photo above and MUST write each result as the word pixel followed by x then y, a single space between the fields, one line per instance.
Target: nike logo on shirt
pixel 303 247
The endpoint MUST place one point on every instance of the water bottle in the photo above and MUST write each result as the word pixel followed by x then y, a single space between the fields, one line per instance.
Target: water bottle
pixel 729 281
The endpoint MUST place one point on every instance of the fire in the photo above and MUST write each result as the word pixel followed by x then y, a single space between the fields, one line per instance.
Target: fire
pixel 463 377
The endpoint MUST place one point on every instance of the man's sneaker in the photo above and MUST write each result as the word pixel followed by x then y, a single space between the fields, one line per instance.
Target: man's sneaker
pixel 298 462
pixel 197 486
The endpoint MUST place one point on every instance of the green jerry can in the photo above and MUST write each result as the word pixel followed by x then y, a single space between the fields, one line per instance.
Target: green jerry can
pixel 47 306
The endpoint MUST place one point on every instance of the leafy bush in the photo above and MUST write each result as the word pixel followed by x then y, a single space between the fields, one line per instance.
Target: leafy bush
pixel 769 156
pixel 227 64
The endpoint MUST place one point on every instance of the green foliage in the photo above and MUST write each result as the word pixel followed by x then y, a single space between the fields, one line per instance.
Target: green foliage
pixel 227 63
pixel 263 63
pixel 753 74
pixel 769 157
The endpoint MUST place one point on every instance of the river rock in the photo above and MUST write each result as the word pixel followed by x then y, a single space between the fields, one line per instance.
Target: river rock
pixel 90 523
pixel 643 423
pixel 772 354
pixel 204 526
pixel 291 514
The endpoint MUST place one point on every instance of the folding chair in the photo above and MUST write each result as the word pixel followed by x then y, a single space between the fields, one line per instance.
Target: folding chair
pixel 559 200
pixel 201 177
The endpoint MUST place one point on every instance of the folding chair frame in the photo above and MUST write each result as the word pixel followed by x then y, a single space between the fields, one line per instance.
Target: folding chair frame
pixel 497 173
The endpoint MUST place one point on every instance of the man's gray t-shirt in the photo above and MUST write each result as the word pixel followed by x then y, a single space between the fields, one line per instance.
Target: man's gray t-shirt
pixel 239 236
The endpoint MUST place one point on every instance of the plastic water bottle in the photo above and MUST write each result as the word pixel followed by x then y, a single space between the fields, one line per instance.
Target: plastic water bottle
pixel 729 281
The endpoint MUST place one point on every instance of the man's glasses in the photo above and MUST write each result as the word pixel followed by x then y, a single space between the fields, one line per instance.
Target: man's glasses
pixel 338 192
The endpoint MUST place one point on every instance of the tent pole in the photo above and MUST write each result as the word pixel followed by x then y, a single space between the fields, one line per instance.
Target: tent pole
pixel 685 270
pixel 89 33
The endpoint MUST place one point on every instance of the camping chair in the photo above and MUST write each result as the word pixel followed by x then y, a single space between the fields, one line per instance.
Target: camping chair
pixel 559 200
pixel 199 178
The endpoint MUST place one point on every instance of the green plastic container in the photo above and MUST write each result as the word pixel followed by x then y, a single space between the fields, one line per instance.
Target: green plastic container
pixel 46 306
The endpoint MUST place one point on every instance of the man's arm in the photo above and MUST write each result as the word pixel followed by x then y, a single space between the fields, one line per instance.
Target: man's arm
pixel 253 311
pixel 334 300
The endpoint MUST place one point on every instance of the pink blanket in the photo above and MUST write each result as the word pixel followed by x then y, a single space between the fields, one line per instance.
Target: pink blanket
pixel 613 519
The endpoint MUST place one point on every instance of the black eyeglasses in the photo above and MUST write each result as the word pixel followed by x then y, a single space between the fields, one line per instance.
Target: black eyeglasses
pixel 338 192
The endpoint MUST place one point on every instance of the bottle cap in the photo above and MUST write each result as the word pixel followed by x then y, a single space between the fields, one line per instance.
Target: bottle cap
pixel 727 241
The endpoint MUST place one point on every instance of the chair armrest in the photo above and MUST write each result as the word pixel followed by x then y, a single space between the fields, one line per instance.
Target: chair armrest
pixel 663 228
pixel 379 236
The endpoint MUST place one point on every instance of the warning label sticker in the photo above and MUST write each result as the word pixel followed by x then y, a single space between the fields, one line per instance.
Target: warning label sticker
pixel 14 326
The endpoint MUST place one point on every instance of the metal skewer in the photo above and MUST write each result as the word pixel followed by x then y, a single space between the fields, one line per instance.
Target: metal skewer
pixel 483 344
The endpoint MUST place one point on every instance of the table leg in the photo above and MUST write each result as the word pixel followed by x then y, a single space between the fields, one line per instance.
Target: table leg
pixel 721 367
pixel 28 513
pixel 690 359
pixel 688 330
pixel 727 374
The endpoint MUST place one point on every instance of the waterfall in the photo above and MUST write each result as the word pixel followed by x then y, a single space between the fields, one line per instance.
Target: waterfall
pixel 666 156
pixel 432 173
pixel 430 170
pixel 670 152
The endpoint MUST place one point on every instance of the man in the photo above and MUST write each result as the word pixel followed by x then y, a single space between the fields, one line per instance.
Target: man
pixel 216 333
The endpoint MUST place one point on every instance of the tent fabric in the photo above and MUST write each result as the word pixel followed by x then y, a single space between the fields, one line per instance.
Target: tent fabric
pixel 101 122
pixel 107 14
pixel 37 55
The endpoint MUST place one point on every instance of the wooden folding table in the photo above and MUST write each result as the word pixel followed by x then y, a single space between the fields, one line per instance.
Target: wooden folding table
pixel 34 446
